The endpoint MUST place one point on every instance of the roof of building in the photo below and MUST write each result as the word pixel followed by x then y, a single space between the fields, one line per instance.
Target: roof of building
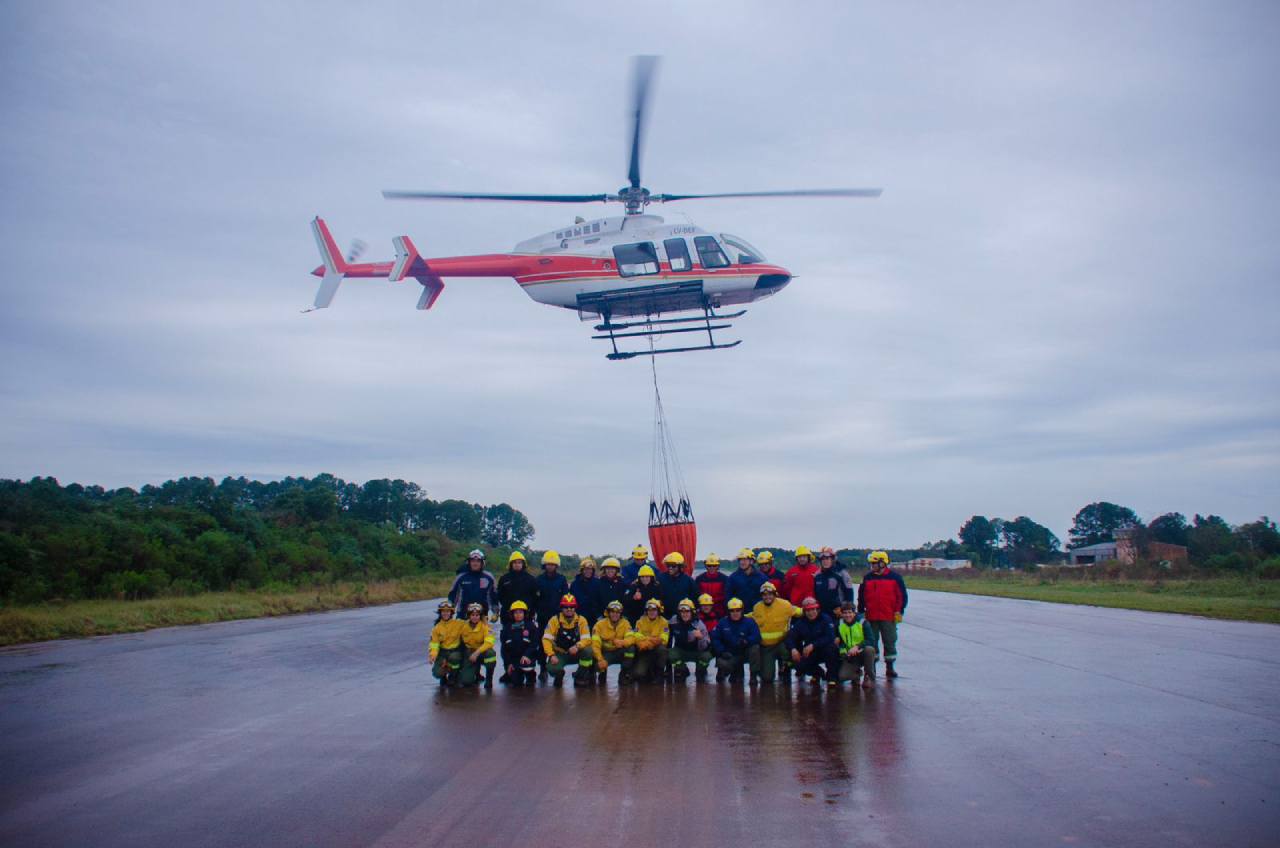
pixel 1101 547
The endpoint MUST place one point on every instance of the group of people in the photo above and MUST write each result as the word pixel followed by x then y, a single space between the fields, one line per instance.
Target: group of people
pixel 756 622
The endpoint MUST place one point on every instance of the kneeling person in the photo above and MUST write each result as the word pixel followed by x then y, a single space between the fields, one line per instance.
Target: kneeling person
pixel 812 642
pixel 652 636
pixel 477 644
pixel 773 616
pixel 519 647
pixel 857 651
pixel 736 640
pixel 566 641
pixel 614 643
pixel 445 650
pixel 690 643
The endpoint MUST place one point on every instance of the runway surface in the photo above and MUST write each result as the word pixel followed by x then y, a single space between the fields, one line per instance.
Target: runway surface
pixel 1014 723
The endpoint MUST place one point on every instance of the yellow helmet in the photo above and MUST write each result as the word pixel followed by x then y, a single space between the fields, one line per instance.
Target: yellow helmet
pixel 587 563
pixel 746 553
pixel 551 558
pixel 765 557
pixel 705 600
pixel 712 559
pixel 610 562
pixel 645 571
pixel 614 605
pixel 673 558
pixel 685 604
pixel 734 603
pixel 878 557
pixel 653 603
pixel 516 556
pixel 639 552
pixel 518 605
pixel 804 551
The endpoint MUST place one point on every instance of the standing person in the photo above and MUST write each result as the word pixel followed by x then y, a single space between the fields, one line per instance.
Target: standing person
pixel 517 585
pixel 745 583
pixel 585 587
pixel 566 642
pixel 614 643
pixel 707 612
pixel 831 587
pixel 652 636
pixel 477 648
pixel 853 644
pixel 690 643
pixel 773 615
pixel 712 582
pixel 736 641
pixel 639 559
pixel 610 587
pixel 551 588
pixel 882 598
pixel 675 585
pixel 798 584
pixel 519 646
pixel 764 564
pixel 445 650
pixel 475 585
pixel 812 642
pixel 644 589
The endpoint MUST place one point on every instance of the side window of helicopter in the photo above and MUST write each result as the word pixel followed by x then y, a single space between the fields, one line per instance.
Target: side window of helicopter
pixel 636 259
pixel 678 254
pixel 709 252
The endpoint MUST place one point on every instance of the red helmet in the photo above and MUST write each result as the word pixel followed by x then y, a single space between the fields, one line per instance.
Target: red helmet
pixel 569 601
pixel 810 603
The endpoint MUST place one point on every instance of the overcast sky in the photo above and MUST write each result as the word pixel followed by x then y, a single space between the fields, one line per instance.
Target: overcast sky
pixel 1069 291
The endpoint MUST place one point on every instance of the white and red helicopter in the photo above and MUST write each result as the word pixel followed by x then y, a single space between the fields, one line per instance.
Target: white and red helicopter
pixel 634 266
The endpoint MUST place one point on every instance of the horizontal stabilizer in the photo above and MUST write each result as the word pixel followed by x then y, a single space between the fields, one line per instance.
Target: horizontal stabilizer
pixel 335 267
pixel 432 286
pixel 406 258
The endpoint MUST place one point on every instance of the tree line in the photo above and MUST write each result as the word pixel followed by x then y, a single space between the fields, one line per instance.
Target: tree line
pixel 194 534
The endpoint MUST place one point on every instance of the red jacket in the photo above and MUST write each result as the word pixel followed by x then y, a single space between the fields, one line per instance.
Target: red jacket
pixel 882 596
pixel 717 586
pixel 798 584
pixel 775 577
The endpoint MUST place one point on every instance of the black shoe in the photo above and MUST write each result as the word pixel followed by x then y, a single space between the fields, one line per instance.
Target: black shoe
pixel 558 681
pixel 505 678
pixel 602 677
pixel 720 675
pixel 681 673
pixel 542 674
pixel 700 675
pixel 755 679
pixel 786 680
pixel 624 677
pixel 888 670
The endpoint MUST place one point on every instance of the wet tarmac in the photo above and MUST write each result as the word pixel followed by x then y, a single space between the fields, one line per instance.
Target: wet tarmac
pixel 1014 723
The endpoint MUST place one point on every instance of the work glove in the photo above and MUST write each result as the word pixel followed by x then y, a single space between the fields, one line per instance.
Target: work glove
pixel 493 617
pixel 897 617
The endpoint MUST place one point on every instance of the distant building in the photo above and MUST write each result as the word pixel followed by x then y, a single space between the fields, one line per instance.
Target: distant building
pixel 935 563
pixel 1089 554
pixel 1125 549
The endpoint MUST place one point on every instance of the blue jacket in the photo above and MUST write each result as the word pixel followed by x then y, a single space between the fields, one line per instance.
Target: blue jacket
pixel 474 587
pixel 520 640
pixel 746 587
pixel 551 588
pixel 586 590
pixel 831 588
pixel 631 570
pixel 820 633
pixel 607 591
pixel 732 636
pixel 676 589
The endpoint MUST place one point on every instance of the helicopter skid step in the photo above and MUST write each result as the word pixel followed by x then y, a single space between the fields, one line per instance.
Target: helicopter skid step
pixel 664 332
pixel 629 354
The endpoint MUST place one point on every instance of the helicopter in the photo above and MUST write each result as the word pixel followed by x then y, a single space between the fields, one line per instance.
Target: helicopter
pixel 626 271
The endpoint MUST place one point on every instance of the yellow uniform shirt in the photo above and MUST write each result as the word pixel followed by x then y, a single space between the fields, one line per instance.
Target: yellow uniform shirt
pixel 773 620
pixel 652 633
pixel 607 636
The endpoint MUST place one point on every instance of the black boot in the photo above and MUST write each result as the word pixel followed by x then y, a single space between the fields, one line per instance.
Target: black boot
pixel 602 677
pixel 888 669
pixel 700 675
pixel 488 675
pixel 558 680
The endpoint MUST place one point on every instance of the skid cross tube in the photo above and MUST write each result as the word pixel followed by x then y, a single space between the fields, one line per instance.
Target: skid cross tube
pixel 663 332
pixel 661 327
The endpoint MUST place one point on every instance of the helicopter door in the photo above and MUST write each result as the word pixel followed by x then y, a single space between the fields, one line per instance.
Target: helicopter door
pixel 678 254
pixel 709 252
pixel 635 260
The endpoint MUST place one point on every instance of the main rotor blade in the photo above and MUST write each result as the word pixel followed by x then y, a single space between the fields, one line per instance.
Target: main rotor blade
pixel 804 192
pixel 464 195
pixel 643 78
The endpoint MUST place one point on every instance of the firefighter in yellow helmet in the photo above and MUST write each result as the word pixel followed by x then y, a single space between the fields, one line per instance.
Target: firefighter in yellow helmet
pixel 567 641
pixel 520 646
pixel 736 641
pixel 652 636
pixel 614 643
pixel 773 615
pixel 477 648
pixel 639 559
pixel 690 643
pixel 445 650
pixel 644 589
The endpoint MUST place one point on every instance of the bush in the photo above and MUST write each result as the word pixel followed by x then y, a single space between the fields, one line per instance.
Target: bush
pixel 1270 570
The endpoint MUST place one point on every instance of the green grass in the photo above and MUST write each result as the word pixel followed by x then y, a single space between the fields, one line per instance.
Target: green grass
pixel 1236 598
pixel 77 619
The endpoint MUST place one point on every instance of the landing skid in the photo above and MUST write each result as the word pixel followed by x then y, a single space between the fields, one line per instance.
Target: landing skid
pixel 663 327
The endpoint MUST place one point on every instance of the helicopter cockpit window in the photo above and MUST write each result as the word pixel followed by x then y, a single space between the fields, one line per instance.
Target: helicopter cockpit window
pixel 636 259
pixel 709 252
pixel 678 254
pixel 745 253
